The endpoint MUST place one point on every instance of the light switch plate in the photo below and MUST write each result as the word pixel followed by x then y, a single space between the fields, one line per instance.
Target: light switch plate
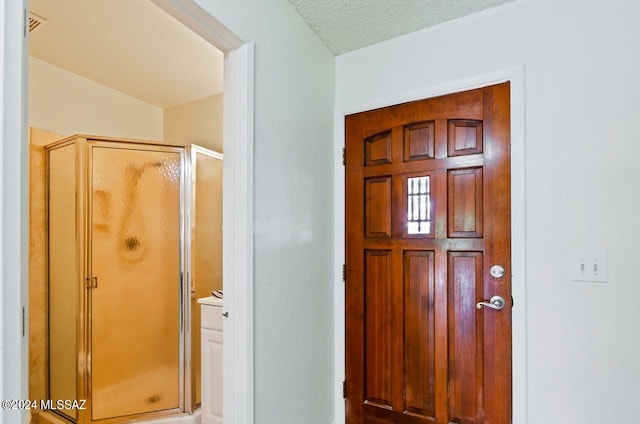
pixel 589 266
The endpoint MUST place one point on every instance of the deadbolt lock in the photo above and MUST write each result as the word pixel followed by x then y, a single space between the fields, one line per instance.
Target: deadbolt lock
pixel 497 271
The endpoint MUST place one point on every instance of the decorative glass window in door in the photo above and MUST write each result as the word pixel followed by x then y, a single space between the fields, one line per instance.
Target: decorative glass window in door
pixel 418 205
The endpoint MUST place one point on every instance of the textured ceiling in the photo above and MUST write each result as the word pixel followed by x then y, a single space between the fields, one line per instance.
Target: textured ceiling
pixel 136 48
pixel 131 46
pixel 345 25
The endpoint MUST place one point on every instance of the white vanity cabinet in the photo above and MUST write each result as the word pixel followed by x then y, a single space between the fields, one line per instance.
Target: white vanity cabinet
pixel 211 351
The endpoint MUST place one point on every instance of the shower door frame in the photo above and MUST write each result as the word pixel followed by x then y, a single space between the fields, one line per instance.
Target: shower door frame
pixel 83 146
pixel 81 271
pixel 190 178
pixel 183 336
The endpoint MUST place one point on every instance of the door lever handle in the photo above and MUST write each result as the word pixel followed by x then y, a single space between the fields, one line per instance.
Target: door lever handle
pixel 496 302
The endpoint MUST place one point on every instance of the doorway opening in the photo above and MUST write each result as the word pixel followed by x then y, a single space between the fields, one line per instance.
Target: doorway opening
pixel 148 212
pixel 515 76
pixel 237 208
pixel 427 217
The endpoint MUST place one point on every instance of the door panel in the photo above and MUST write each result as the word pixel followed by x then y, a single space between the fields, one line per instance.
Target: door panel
pixel 427 215
pixel 465 202
pixel 378 352
pixel 419 141
pixel 419 326
pixel 465 336
pixel 135 304
pixel 378 207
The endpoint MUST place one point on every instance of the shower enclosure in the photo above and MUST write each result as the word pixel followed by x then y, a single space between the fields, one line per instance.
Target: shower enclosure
pixel 134 238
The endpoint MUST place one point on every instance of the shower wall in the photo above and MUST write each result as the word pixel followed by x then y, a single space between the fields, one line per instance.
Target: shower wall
pixel 206 243
pixel 37 263
pixel 64 273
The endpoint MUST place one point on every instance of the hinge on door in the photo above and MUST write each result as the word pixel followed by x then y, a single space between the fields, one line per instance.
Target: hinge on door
pixel 512 301
pixel 24 325
pixel 344 389
pixel 344 156
pixel 24 23
pixel 344 273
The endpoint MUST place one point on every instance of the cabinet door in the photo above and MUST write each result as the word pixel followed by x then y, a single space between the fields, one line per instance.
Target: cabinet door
pixel 211 376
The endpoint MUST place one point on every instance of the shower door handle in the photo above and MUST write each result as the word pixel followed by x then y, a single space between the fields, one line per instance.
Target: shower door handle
pixel 92 282
pixel 192 283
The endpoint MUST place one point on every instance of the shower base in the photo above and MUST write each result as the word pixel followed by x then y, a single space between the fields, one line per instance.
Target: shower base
pixel 46 417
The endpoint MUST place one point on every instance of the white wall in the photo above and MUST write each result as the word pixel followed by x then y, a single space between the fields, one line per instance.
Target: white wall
pixel 66 103
pixel 198 122
pixel 294 86
pixel 582 87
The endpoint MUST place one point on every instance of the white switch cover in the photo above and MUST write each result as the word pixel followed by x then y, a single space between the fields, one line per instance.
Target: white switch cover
pixel 589 266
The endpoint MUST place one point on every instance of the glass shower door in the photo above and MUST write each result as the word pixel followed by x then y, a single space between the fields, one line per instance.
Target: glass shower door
pixel 63 276
pixel 135 265
pixel 206 246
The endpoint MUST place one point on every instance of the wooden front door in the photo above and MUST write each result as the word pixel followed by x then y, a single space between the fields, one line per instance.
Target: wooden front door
pixel 427 217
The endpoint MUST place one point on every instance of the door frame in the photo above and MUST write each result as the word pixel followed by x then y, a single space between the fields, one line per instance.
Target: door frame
pixel 516 76
pixel 238 120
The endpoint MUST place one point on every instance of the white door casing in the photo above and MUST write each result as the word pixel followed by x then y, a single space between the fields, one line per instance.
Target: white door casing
pixel 237 213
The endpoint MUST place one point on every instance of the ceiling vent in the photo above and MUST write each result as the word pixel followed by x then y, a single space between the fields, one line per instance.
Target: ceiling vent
pixel 35 21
